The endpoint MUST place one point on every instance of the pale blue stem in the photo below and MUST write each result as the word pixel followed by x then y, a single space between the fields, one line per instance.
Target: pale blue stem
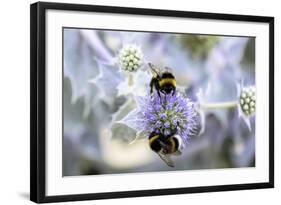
pixel 230 104
pixel 130 79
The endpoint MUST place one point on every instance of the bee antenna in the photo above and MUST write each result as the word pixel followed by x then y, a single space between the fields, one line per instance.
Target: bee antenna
pixel 150 65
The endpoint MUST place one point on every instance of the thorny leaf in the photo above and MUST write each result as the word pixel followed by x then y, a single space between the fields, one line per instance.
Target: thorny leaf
pixel 79 67
pixel 107 81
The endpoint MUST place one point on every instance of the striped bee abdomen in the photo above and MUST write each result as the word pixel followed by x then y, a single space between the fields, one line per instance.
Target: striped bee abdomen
pixel 154 142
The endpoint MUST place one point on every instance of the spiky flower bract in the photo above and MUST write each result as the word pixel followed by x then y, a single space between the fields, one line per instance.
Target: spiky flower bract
pixel 168 113
pixel 130 58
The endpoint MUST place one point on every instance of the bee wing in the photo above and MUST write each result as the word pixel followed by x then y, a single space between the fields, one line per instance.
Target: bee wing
pixel 154 70
pixel 166 159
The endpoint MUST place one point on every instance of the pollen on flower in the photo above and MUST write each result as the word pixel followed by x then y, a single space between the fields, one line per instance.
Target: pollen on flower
pixel 248 100
pixel 130 58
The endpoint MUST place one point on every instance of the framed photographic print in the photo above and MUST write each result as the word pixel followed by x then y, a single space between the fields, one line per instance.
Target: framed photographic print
pixel 129 102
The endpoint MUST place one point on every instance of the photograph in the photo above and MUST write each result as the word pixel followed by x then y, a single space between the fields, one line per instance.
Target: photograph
pixel 150 101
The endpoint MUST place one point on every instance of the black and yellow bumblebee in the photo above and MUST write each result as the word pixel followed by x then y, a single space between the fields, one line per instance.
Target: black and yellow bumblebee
pixel 165 146
pixel 163 81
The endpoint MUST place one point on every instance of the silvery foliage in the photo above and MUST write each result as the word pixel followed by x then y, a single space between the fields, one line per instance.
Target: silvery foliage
pixel 105 72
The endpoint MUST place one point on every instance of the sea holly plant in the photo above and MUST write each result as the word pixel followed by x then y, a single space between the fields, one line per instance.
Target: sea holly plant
pixel 108 74
pixel 131 66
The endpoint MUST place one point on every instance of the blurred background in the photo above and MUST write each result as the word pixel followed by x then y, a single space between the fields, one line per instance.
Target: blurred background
pixel 96 96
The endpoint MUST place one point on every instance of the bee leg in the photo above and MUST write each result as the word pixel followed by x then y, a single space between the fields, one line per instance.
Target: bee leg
pixel 151 86
pixel 165 99
pixel 151 90
pixel 174 90
pixel 158 92
pixel 163 93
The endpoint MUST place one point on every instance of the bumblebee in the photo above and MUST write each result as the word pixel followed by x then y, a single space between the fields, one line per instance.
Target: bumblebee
pixel 165 146
pixel 164 82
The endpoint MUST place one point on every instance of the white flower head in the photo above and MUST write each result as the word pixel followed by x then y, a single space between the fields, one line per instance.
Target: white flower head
pixel 248 100
pixel 247 103
pixel 130 58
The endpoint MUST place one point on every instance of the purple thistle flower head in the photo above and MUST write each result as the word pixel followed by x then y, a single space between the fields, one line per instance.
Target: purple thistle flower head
pixel 168 113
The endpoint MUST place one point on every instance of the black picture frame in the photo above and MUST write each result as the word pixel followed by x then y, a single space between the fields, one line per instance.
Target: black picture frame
pixel 38 100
